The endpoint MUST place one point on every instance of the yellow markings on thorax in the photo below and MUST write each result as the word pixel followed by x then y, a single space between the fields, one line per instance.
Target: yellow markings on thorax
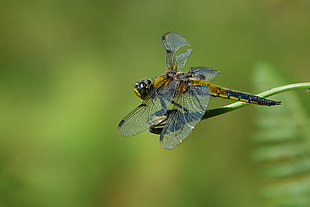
pixel 182 87
pixel 162 79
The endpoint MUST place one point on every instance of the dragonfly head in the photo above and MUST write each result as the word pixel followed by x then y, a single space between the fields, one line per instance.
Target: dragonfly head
pixel 143 88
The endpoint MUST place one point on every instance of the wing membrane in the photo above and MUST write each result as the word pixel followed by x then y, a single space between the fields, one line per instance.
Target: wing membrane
pixel 155 104
pixel 133 123
pixel 209 73
pixel 183 120
pixel 178 51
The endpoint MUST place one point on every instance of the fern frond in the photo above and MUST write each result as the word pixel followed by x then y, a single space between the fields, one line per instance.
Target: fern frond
pixel 282 139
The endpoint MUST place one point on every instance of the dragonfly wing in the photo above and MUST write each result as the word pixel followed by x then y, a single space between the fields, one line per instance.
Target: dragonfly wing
pixel 155 104
pixel 209 73
pixel 182 59
pixel 185 115
pixel 178 50
pixel 134 122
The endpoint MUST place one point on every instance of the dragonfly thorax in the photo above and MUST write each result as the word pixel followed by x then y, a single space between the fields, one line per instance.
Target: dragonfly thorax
pixel 188 76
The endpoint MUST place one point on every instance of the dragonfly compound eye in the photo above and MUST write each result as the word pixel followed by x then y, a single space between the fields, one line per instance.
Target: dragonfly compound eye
pixel 142 88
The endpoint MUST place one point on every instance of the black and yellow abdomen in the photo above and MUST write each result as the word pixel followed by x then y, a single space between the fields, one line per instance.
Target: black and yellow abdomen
pixel 235 95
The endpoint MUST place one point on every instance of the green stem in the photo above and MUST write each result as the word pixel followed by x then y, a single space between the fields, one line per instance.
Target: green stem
pixel 224 109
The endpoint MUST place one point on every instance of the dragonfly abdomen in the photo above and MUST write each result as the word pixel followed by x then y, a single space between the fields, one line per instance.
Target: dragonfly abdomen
pixel 240 96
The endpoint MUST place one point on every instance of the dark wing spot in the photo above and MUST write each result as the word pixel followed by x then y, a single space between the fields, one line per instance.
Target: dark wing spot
pixel 121 123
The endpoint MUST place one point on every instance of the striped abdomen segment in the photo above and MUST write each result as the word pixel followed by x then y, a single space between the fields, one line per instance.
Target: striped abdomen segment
pixel 238 96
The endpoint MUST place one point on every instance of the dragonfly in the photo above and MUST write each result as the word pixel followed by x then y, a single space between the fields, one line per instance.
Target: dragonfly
pixel 175 102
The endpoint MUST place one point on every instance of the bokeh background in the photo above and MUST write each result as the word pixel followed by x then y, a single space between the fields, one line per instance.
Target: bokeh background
pixel 67 72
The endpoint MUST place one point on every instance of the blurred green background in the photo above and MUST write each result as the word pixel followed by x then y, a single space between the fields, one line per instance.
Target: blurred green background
pixel 67 73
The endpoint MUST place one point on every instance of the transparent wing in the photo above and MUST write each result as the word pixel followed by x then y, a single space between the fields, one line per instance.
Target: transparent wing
pixel 185 116
pixel 209 73
pixel 155 104
pixel 134 122
pixel 178 51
